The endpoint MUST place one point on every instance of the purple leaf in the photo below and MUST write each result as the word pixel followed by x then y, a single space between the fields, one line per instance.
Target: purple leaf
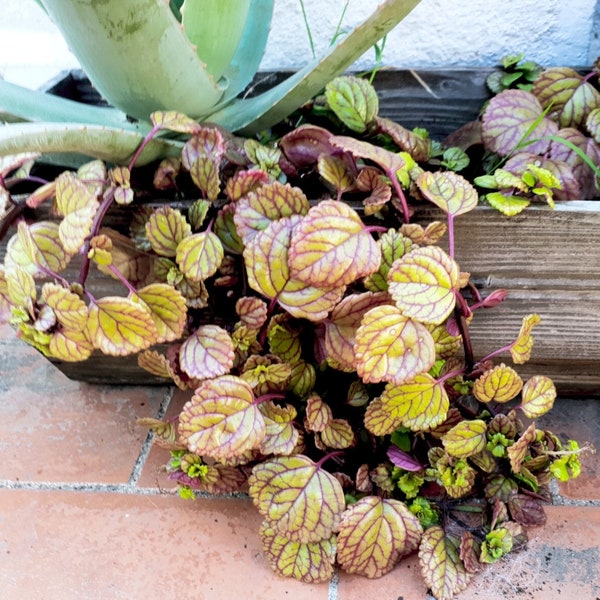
pixel 403 460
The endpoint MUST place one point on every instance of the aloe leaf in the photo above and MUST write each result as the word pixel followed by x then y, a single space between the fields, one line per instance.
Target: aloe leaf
pixel 137 55
pixel 110 144
pixel 254 114
pixel 215 28
pixel 19 103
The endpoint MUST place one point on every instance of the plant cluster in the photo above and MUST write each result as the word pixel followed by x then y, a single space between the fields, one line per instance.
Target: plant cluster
pixel 326 341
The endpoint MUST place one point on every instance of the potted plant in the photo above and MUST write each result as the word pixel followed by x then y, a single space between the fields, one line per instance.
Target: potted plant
pixel 324 335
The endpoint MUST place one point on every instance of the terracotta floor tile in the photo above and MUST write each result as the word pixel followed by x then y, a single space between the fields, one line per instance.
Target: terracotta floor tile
pixel 579 420
pixel 80 546
pixel 55 429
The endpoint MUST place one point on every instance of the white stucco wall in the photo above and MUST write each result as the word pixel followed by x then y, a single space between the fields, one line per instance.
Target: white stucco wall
pixel 437 33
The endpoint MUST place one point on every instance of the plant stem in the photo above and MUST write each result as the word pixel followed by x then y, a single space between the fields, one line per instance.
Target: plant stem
pixel 451 235
pixel 399 193
pixel 463 327
pixel 143 144
pixel 122 279
pixel 328 457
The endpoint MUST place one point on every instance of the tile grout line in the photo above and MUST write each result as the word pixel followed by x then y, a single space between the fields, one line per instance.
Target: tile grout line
pixel 334 585
pixel 147 445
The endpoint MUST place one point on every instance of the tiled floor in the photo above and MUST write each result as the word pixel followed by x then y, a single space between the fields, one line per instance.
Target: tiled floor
pixel 87 513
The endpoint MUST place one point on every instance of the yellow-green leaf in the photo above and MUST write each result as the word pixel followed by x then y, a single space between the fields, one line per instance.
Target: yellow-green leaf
pixel 380 421
pixel 394 245
pixel 338 434
pixel 423 284
pixel 311 562
pixel 335 172
pixel 120 326
pixel 207 353
pixel 174 121
pixel 297 497
pixel 166 228
pixel 500 384
pixel 391 347
pixel 205 175
pixel 20 288
pixel 374 534
pixel 538 396
pixel 466 439
pixel 449 191
pixel 281 437
pixel 70 310
pixel 507 205
pixel 521 349
pixel 318 413
pixel 252 311
pixel 168 310
pixel 71 345
pixel 200 255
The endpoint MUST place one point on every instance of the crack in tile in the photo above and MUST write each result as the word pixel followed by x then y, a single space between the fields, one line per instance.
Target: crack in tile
pixel 334 585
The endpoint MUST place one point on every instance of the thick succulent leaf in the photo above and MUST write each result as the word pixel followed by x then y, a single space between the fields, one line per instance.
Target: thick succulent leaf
pixel 168 310
pixel 318 414
pixel 353 100
pixel 207 353
pixel 423 284
pixel 166 229
pixel 392 347
pixel 258 209
pixel 374 534
pixel 448 190
pixel 297 497
pixel 222 420
pixel 520 351
pixel 420 404
pixel 394 245
pixel 538 396
pixel 70 310
pixel 120 326
pixel 310 562
pixel 500 384
pixel 418 147
pixel 281 437
pixel 567 94
pixel 199 255
pixel 466 439
pixel 338 434
pixel 442 569
pixel 325 245
pixel 252 311
pixel 515 116
pixel 341 326
pixel 380 421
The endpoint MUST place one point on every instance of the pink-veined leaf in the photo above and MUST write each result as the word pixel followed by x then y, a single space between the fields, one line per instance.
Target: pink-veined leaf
pixel 161 366
pixel 394 245
pixel 520 449
pixel 257 210
pixel 166 173
pixel 392 347
pixel 326 243
pixel 252 311
pixel 500 384
pixel 508 121
pixel 338 434
pixel 298 498
pixel 206 142
pixel 520 351
pixel 166 228
pixel 281 437
pixel 418 147
pixel 20 289
pixel 207 353
pixel 5 302
pixel 592 124
pixel 200 255
pixel 378 420
pixel 224 229
pixel 70 345
pixel 168 310
pixel 353 100
pixel 341 326
pixel 222 420
pixel 420 404
pixel 304 301
pixel 374 534
pixel 423 284
pixel 335 171
pixel 310 562
pixel 390 162
pixel 120 326
pixel 318 413
pixel 538 396
pixel 466 439
pixel 283 335
pixel 244 182
pixel 449 191
pixel 303 145
pixel 442 569
pixel 266 374
pixel 204 172
pixel 70 310
pixel 175 121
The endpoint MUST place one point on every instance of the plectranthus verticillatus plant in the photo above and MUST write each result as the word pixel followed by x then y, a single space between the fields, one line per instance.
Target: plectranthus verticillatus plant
pixel 325 338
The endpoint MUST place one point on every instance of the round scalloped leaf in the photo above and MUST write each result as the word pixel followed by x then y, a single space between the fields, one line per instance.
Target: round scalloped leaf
pixel 500 384
pixel 338 434
pixel 569 96
pixel 20 288
pixel 205 174
pixel 174 121
pixel 297 497
pixel 160 365
pixel 423 284
pixel 449 191
pixel 466 439
pixel 200 255
pixel 335 171
pixel 392 347
pixel 394 245
pixel 207 353
pixel 509 119
pixel 166 228
pixel 374 534
pixel 420 404
pixel 341 326
pixel 224 228
pixel 281 437
pixel 507 205
pixel 379 421
pixel 208 141
pixel 390 162
pixel 244 182
pixel 36 247
pixel 70 310
pixel 70 345
pixel 168 310
pixel 220 479
pixel 446 344
pixel 256 211
pixel 592 124
pixel 304 301
pixel 318 414
pixel 120 326
pixel 325 245
pixel 283 335
pixel 441 567
pixel 222 420
pixel 252 311
pixel 520 449
pixel 520 351
pixel 418 147
pixel 311 562
pixel 353 100
pixel 538 396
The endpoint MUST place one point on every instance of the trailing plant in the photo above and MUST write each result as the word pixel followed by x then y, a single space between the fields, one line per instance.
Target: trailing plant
pixel 325 336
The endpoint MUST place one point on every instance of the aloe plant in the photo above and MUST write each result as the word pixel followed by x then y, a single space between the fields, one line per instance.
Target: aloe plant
pixel 190 56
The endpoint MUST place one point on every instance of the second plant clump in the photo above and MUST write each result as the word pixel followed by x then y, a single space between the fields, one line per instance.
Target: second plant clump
pixel 326 341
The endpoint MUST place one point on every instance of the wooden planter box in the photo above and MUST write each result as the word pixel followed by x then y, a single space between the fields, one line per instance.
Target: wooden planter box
pixel 549 261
